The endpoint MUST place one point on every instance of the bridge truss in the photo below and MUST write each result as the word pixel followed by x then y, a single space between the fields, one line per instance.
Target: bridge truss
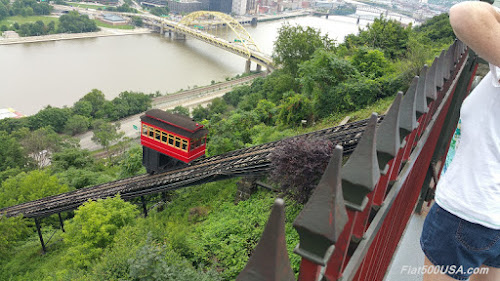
pixel 204 18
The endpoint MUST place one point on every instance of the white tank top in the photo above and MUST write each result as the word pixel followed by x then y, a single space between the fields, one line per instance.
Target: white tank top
pixel 470 188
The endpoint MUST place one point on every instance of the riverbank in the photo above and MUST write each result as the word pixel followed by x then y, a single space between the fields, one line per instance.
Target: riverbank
pixel 104 32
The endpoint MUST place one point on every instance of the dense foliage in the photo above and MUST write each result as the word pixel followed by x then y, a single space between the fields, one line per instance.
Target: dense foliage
pixel 296 44
pixel 159 11
pixel 76 23
pixel 23 8
pixel 93 227
pixel 29 186
pixel 385 34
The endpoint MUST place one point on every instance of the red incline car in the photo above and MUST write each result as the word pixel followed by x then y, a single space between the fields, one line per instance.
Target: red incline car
pixel 170 140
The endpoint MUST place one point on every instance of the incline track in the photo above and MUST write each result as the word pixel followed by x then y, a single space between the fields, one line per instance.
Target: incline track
pixel 245 161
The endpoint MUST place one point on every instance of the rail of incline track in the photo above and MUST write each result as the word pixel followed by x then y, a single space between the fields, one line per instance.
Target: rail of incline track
pixel 235 163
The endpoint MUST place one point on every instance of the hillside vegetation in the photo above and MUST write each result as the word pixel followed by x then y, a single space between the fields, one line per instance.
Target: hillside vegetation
pixel 197 233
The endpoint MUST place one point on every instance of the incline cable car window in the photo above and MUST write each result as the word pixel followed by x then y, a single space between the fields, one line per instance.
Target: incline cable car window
pixel 178 142
pixel 151 132
pixel 184 145
pixel 164 137
pixel 170 140
pixel 157 134
pixel 145 130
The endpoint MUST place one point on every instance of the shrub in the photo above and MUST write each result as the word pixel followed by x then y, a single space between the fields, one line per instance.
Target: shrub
pixel 298 165
pixel 93 227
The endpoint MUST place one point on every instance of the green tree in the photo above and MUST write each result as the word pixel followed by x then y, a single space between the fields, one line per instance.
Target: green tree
pixel 180 110
pixel 437 30
pixel 294 109
pixel 13 124
pixel 50 116
pixel 11 153
pixel 131 165
pixel 76 23
pixel 77 124
pixel 126 104
pixel 80 178
pixel 234 96
pixel 84 108
pixel 324 71
pixel 71 157
pixel 40 144
pixel 278 83
pixel 371 63
pixel 149 264
pixel 296 44
pixel 387 35
pixel 4 12
pixel 95 98
pixel 349 95
pixel 11 231
pixel 105 133
pixel 93 227
pixel 200 113
pixel 29 186
pixel 159 11
pixel 266 112
pixel 137 21
pixel 218 105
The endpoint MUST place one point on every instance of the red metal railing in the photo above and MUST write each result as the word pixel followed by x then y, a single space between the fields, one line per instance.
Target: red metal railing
pixel 351 225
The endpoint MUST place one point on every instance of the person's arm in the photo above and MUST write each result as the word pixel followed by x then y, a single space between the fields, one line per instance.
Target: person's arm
pixel 477 24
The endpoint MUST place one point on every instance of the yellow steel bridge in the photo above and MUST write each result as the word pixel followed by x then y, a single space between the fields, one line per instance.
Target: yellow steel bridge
pixel 200 24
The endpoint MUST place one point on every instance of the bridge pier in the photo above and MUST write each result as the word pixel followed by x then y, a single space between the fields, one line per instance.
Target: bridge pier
pixel 247 66
pixel 179 36
pixel 259 67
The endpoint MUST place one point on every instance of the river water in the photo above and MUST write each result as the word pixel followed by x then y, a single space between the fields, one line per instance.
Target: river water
pixel 59 73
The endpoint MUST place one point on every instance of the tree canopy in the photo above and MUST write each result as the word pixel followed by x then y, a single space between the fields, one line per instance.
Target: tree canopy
pixel 94 226
pixel 29 186
pixel 76 23
pixel 296 44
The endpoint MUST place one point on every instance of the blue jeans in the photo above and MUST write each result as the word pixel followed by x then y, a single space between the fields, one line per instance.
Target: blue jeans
pixel 458 246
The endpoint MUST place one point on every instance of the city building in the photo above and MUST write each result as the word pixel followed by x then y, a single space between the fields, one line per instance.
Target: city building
pixel 184 6
pixel 252 7
pixel 239 7
pixel 154 3
pixel 10 34
pixel 113 19
pixel 224 6
pixel 104 2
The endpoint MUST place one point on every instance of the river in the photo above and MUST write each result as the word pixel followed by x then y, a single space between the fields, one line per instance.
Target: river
pixel 59 73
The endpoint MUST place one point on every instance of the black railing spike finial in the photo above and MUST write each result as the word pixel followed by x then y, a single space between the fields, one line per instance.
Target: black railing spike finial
pixel 388 140
pixel 430 85
pixel 324 216
pixel 269 260
pixel 440 70
pixel 407 115
pixel 449 60
pixel 456 52
pixel 421 101
pixel 361 172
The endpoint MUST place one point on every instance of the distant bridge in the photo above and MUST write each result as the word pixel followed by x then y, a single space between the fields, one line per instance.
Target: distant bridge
pixel 190 25
pixel 197 23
